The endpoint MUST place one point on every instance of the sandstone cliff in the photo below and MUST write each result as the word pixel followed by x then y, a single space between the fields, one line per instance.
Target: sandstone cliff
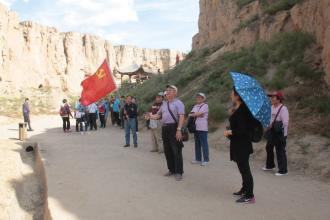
pixel 219 19
pixel 33 56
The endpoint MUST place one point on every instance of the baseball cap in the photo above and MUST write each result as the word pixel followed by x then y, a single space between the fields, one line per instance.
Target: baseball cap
pixel 278 94
pixel 172 87
pixel 160 94
pixel 201 94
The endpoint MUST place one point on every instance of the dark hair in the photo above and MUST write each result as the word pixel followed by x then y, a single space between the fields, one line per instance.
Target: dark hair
pixel 64 100
pixel 236 94
pixel 26 99
pixel 129 96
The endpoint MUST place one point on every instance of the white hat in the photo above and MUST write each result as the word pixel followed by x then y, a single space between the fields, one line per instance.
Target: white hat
pixel 172 87
pixel 201 94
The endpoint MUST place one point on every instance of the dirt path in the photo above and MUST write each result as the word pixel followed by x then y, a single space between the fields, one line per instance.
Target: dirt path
pixel 93 177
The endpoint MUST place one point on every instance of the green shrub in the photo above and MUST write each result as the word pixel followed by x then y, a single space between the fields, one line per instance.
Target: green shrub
pixel 245 24
pixel 280 5
pixel 242 3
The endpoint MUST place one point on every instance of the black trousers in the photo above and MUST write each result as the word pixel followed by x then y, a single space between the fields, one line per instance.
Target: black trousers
pixel 92 121
pixel 66 123
pixel 280 146
pixel 172 149
pixel 80 123
pixel 116 118
pixel 247 179
pixel 102 119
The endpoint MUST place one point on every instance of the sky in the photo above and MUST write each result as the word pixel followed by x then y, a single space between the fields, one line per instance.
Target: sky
pixel 143 23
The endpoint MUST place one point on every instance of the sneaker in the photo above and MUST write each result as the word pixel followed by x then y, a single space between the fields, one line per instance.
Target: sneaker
pixel 126 145
pixel 281 174
pixel 169 173
pixel 153 151
pixel 205 163
pixel 178 177
pixel 239 193
pixel 267 169
pixel 30 129
pixel 246 200
pixel 135 145
pixel 196 162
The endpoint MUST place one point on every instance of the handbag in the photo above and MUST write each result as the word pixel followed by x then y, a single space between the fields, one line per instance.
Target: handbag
pixel 184 130
pixel 191 125
pixel 276 127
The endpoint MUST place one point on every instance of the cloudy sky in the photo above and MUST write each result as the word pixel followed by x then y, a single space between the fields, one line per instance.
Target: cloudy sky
pixel 144 23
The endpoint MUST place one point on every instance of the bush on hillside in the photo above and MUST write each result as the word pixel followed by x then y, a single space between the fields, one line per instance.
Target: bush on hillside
pixel 280 5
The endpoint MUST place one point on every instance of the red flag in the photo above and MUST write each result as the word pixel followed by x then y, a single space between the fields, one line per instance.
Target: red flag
pixel 98 85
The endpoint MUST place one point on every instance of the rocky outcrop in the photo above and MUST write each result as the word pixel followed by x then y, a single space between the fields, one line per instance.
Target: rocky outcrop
pixel 33 56
pixel 219 19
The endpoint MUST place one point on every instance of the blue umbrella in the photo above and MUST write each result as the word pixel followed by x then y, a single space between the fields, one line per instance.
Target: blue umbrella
pixel 253 96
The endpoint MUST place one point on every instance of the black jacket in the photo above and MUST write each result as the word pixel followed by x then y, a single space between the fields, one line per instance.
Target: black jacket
pixel 240 141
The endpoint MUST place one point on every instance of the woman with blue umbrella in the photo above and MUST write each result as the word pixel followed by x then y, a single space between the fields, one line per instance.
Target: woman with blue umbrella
pixel 251 106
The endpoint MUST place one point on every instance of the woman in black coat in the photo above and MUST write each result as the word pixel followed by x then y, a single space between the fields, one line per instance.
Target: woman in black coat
pixel 241 146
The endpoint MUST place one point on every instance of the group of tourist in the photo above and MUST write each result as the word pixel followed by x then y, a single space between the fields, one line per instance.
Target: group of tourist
pixel 166 120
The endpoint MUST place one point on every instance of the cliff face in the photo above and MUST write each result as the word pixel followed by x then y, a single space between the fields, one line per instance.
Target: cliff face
pixel 32 55
pixel 219 19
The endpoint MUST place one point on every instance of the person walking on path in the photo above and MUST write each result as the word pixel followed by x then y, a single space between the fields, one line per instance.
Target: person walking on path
pixel 172 118
pixel 155 125
pixel 278 133
pixel 26 113
pixel 65 113
pixel 200 113
pixel 116 107
pixel 130 114
pixel 92 109
pixel 241 146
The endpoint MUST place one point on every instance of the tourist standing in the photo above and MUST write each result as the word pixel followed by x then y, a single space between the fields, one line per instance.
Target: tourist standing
pixel 102 114
pixel 80 117
pixel 92 109
pixel 172 118
pixel 200 113
pixel 111 111
pixel 130 114
pixel 116 107
pixel 241 146
pixel 155 125
pixel 107 111
pixel 278 133
pixel 26 113
pixel 65 113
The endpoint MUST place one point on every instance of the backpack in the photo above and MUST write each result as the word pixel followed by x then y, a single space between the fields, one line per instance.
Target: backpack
pixel 191 124
pixel 102 109
pixel 256 131
pixel 64 111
